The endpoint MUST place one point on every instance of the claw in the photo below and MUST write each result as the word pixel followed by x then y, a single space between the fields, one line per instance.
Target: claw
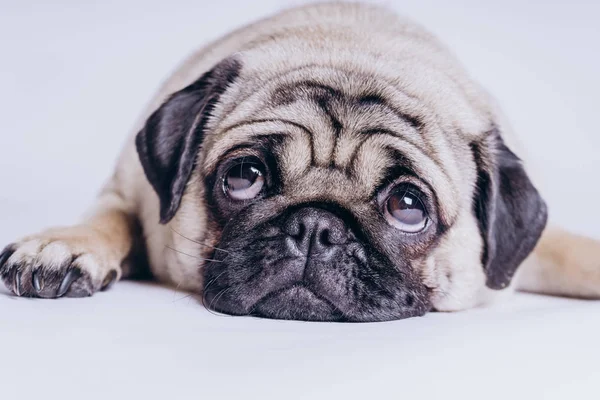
pixel 5 254
pixel 69 278
pixel 109 280
pixel 38 283
pixel 17 283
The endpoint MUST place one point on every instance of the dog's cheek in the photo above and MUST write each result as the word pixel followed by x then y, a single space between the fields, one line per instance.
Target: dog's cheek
pixel 188 239
pixel 453 270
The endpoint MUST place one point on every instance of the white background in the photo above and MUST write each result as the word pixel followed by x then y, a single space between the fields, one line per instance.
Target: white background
pixel 73 77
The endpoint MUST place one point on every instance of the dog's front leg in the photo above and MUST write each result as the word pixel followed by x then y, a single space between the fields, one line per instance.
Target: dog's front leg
pixel 563 264
pixel 73 261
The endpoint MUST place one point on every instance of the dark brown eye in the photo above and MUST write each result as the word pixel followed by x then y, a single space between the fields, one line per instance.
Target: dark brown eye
pixel 405 211
pixel 244 181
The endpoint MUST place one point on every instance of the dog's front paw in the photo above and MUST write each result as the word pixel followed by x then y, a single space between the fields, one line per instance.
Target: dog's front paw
pixel 74 262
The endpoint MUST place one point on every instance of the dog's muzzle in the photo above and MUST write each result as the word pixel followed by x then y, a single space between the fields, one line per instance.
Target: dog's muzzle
pixel 316 237
pixel 313 268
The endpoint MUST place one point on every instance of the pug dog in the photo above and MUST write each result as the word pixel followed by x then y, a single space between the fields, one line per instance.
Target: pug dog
pixel 333 162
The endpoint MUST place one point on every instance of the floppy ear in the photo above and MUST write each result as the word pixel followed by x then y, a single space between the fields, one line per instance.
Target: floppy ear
pixel 510 211
pixel 170 140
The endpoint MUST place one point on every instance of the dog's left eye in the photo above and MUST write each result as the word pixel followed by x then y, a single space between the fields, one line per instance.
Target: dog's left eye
pixel 244 181
pixel 405 211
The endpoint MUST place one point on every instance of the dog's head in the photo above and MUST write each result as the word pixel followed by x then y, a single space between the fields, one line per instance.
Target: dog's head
pixel 328 194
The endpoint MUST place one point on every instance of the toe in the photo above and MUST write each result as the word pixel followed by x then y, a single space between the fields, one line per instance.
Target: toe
pixel 45 282
pixel 17 280
pixel 81 287
pixel 109 280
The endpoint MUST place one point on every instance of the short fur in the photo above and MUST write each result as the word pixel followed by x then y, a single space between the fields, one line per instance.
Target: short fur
pixel 343 104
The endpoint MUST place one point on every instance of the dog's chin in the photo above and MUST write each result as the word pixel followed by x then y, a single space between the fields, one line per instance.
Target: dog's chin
pixel 296 302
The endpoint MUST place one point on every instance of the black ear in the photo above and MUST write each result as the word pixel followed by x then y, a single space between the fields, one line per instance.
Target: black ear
pixel 510 211
pixel 169 142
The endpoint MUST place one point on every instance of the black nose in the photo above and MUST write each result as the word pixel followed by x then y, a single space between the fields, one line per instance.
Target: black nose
pixel 314 230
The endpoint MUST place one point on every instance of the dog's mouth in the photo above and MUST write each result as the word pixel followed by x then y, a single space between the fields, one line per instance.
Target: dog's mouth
pixel 297 302
pixel 311 300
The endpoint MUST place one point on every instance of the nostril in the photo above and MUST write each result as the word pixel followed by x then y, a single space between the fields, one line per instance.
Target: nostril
pixel 298 240
pixel 331 236
pixel 324 237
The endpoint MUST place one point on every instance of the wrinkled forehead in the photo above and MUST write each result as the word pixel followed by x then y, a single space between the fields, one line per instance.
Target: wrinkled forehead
pixel 337 137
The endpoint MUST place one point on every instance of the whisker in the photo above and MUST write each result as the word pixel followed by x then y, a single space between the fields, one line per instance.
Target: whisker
pixel 197 242
pixel 189 255
pixel 187 296
pixel 209 307
pixel 205 290
pixel 218 296
pixel 213 280
pixel 176 288
pixel 205 306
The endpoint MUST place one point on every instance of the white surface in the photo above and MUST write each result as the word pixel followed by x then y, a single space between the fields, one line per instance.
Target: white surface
pixel 142 341
pixel 74 76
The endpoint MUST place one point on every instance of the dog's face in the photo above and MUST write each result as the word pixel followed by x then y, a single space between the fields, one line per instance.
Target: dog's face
pixel 330 196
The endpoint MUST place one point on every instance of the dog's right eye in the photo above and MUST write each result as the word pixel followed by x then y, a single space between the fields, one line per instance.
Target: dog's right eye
pixel 244 181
